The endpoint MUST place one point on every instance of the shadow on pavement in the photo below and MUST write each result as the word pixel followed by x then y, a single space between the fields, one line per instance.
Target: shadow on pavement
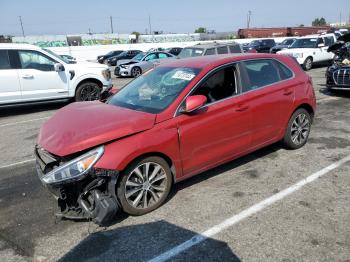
pixel 146 241
pixel 31 108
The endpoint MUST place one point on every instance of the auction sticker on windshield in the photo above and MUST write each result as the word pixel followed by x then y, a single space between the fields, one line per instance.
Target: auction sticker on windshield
pixel 183 76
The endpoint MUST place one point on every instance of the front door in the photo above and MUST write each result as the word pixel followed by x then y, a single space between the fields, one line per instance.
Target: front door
pixel 38 78
pixel 219 130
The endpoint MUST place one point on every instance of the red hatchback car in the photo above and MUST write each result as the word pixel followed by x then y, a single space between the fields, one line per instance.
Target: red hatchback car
pixel 176 121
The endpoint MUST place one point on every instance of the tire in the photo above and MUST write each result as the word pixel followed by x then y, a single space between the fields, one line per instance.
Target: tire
pixel 136 71
pixel 88 91
pixel 136 192
pixel 298 129
pixel 307 65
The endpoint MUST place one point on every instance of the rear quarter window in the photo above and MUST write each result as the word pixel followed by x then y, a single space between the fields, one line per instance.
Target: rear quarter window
pixel 285 72
pixel 222 50
pixel 235 49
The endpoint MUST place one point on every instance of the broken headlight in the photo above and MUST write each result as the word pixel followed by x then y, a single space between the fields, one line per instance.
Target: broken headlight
pixel 75 168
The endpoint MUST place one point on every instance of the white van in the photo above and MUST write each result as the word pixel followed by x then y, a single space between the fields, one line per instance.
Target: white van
pixel 29 74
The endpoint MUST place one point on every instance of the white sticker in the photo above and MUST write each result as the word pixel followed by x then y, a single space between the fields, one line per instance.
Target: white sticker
pixel 183 76
pixel 198 51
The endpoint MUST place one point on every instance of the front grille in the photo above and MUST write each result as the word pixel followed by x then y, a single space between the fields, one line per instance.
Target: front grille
pixel 341 77
pixel 117 70
pixel 45 160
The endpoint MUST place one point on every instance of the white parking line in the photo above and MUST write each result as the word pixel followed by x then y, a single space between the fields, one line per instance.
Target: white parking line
pixel 246 213
pixel 17 163
pixel 22 122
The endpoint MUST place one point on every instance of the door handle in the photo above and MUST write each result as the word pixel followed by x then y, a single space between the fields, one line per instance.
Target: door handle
pixel 242 108
pixel 28 76
pixel 288 92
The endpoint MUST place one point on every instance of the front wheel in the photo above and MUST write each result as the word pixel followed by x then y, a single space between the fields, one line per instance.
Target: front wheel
pixel 88 91
pixel 307 64
pixel 144 186
pixel 298 129
pixel 136 71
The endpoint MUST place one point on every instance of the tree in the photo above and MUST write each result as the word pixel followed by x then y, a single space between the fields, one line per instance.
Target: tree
pixel 201 30
pixel 319 22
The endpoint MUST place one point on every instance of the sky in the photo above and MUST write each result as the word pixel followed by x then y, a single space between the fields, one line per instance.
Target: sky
pixel 176 16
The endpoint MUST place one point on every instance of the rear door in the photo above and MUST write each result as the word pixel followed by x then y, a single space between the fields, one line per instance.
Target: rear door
pixel 38 78
pixel 10 89
pixel 271 86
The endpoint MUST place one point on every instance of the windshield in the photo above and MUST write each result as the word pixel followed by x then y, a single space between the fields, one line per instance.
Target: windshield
pixel 154 91
pixel 138 57
pixel 59 57
pixel 305 43
pixel 254 43
pixel 190 52
pixel 287 41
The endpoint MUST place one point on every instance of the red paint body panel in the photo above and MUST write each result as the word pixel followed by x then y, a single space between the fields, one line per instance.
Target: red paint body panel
pixel 80 126
pixel 194 142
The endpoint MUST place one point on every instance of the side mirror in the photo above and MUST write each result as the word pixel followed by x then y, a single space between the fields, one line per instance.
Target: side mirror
pixel 193 103
pixel 58 67
pixel 321 45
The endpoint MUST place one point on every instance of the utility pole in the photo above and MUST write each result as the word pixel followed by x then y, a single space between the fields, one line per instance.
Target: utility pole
pixel 149 23
pixel 248 18
pixel 20 20
pixel 340 19
pixel 111 19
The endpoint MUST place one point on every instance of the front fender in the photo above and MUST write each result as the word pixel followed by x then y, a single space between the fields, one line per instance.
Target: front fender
pixel 161 139
pixel 79 79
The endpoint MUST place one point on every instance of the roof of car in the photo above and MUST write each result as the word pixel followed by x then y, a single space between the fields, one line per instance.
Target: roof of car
pixel 18 46
pixel 214 60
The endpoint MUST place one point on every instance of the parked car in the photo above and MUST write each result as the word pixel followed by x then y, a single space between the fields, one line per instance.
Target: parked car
pixel 29 73
pixel 70 59
pixel 210 49
pixel 141 63
pixel 310 50
pixel 174 50
pixel 285 44
pixel 260 45
pixel 179 120
pixel 103 58
pixel 112 61
pixel 338 74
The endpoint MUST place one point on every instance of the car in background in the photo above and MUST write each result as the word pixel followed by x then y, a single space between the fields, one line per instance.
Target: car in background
pixel 70 59
pixel 112 61
pixel 179 120
pixel 210 49
pixel 338 74
pixel 102 58
pixel 173 50
pixel 141 63
pixel 260 45
pixel 285 44
pixel 310 50
pixel 30 74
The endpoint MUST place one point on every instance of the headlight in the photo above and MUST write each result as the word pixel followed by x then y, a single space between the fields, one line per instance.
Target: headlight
pixel 125 66
pixel 106 74
pixel 75 168
pixel 298 55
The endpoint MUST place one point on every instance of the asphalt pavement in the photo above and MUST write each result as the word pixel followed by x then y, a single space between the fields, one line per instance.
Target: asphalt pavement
pixel 309 224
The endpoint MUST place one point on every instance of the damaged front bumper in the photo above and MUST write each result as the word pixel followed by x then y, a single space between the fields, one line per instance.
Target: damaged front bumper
pixel 91 196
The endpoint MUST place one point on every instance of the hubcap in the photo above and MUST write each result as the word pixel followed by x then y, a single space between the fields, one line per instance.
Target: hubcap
pixel 308 64
pixel 145 185
pixel 300 129
pixel 90 93
pixel 136 72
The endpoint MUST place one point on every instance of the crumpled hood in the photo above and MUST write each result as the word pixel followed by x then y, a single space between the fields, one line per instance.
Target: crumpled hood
pixel 83 125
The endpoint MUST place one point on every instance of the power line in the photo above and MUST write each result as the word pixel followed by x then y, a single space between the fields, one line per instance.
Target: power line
pixel 20 20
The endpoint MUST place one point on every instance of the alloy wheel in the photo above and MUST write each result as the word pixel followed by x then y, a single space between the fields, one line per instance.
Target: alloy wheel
pixel 145 185
pixel 136 72
pixel 90 93
pixel 300 129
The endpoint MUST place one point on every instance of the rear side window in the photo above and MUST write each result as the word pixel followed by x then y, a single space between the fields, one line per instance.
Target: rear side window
pixel 4 60
pixel 162 55
pixel 210 51
pixel 222 50
pixel 235 49
pixel 259 73
pixel 285 72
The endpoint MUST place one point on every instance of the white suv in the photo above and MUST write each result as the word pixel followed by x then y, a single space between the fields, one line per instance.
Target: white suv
pixel 312 49
pixel 29 74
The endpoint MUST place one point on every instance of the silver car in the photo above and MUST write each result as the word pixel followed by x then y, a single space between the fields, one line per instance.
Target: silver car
pixel 141 63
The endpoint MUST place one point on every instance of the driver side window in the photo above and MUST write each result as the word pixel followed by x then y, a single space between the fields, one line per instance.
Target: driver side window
pixel 151 57
pixel 220 85
pixel 35 60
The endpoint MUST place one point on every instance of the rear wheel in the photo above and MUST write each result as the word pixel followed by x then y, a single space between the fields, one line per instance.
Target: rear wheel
pixel 144 186
pixel 88 91
pixel 136 71
pixel 298 129
pixel 308 63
